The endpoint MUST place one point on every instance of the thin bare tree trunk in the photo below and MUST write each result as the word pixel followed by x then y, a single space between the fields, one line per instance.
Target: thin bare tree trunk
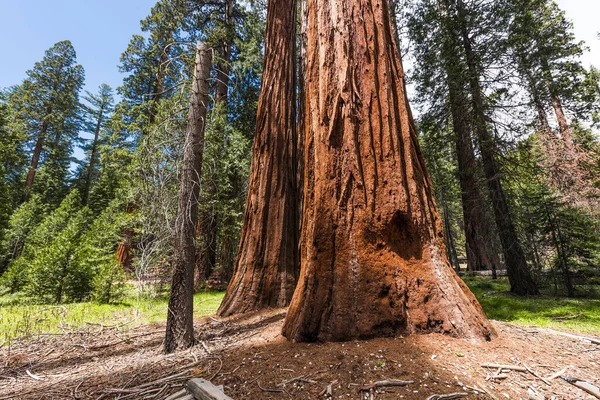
pixel 373 260
pixel 180 326
pixel 208 224
pixel 267 263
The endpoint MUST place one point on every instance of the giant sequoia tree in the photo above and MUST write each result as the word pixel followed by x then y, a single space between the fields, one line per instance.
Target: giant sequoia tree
pixel 372 248
pixel 266 268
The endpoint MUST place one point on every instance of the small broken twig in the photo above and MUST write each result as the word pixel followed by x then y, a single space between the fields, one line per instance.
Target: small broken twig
pixel 385 383
pixel 449 396
pixel 500 366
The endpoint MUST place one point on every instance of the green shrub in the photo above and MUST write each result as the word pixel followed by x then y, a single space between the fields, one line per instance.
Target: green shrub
pixel 108 284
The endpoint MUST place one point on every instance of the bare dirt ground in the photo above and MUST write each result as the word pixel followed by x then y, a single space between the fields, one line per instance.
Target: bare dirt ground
pixel 250 358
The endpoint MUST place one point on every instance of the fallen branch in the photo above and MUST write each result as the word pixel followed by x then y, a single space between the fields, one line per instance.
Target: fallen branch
pixel 449 396
pixel 583 385
pixel 557 374
pixel 273 390
pixel 385 383
pixel 536 375
pixel 177 395
pixel 486 391
pixel 501 367
pixel 33 376
pixel 534 395
pixel 584 338
pixel 329 389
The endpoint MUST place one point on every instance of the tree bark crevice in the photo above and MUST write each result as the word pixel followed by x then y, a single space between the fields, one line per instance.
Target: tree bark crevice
pixel 369 213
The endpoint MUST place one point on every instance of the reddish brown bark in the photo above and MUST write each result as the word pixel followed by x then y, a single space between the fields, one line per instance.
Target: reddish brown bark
pixel 35 159
pixel 267 264
pixel 124 249
pixel 563 124
pixel 373 257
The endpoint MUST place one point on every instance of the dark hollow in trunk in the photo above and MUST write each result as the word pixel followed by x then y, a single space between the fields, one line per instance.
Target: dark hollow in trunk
pixel 267 263
pixel 180 327
pixel 373 260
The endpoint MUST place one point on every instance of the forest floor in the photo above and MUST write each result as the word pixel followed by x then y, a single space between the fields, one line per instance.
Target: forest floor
pixel 250 358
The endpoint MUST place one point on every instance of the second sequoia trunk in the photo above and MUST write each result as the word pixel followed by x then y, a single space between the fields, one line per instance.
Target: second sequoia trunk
pixel 267 264
pixel 373 260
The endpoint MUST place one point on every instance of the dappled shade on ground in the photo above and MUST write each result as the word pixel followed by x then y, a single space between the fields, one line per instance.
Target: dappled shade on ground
pixel 247 353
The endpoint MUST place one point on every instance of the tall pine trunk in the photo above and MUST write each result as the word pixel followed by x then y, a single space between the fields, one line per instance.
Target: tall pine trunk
pixel 208 223
pixel 373 260
pixel 93 155
pixel 481 254
pixel 35 159
pixel 180 326
pixel 519 275
pixel 267 264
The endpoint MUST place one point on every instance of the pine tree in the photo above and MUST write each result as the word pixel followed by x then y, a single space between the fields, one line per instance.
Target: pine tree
pixel 47 104
pixel 98 113
pixel 21 224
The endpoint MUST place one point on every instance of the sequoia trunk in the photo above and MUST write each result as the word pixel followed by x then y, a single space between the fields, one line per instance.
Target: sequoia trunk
pixel 267 264
pixel 373 260
pixel 180 327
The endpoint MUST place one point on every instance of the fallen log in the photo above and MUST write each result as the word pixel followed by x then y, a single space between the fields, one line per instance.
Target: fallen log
pixel 584 338
pixel 202 389
pixel 583 385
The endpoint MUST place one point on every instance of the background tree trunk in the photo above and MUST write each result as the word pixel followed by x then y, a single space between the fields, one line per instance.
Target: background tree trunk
pixel 267 264
pixel 373 257
pixel 180 316
pixel 480 249
pixel 93 155
pixel 519 276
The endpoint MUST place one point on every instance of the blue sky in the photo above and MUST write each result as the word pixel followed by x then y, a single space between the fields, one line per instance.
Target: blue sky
pixel 99 30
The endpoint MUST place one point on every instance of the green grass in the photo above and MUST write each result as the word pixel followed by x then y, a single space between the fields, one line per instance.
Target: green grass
pixel 580 314
pixel 19 316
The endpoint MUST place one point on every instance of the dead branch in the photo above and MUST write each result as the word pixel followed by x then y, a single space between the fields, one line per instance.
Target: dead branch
pixel 583 338
pixel 177 395
pixel 532 372
pixel 449 396
pixel 273 390
pixel 500 366
pixel 385 383
pixel 557 374
pixel 583 385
